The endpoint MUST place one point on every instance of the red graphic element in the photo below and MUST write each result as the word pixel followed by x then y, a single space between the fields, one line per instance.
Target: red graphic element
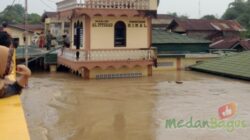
pixel 227 111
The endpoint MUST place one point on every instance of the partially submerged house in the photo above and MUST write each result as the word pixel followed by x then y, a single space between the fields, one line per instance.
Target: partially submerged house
pixel 109 38
pixel 173 43
pixel 206 29
pixel 54 24
pixel 176 51
pixel 17 32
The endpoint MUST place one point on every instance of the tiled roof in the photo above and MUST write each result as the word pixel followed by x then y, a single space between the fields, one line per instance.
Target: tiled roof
pixel 163 37
pixel 208 25
pixel 235 65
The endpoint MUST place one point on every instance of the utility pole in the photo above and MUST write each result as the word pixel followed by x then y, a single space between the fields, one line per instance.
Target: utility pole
pixel 199 9
pixel 26 33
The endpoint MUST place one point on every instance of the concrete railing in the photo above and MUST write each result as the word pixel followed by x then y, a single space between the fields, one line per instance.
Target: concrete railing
pixel 109 55
pixel 104 4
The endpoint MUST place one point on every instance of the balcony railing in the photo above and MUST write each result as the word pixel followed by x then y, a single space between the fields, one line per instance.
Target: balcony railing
pixel 104 4
pixel 109 55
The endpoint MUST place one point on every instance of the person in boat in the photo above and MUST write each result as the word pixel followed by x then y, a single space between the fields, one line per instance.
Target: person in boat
pixel 8 87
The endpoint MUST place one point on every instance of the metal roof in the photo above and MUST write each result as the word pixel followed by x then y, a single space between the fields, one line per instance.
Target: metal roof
pixel 235 65
pixel 207 25
pixel 164 37
pixel 231 43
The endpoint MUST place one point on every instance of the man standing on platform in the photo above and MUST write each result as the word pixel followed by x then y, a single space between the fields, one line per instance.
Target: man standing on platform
pixel 49 38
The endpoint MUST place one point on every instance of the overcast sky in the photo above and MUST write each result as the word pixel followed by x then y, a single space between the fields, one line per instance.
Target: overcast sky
pixel 182 7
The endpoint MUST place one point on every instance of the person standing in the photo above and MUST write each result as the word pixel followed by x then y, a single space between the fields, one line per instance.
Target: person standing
pixel 49 38
pixel 41 40
pixel 66 42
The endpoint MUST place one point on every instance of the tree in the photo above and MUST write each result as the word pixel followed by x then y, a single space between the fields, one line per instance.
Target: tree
pixel 178 16
pixel 34 18
pixel 209 17
pixel 239 10
pixel 15 14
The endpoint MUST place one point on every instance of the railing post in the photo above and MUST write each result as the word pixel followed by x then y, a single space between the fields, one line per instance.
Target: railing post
pixel 89 55
pixel 149 54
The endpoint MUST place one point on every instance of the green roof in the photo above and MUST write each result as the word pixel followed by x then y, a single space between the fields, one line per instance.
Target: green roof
pixel 235 65
pixel 164 37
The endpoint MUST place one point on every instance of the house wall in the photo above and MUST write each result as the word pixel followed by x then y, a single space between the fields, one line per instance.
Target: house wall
pixel 182 48
pixel 102 32
pixel 231 34
pixel 171 63
pixel 178 29
pixel 99 73
pixel 153 5
pixel 17 33
pixel 56 26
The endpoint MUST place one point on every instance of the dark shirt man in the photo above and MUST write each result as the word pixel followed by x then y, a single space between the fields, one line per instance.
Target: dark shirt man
pixel 49 38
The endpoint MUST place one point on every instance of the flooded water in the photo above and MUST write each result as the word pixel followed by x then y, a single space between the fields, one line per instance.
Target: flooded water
pixel 62 106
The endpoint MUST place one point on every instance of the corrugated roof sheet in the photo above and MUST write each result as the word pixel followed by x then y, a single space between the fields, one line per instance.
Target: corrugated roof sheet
pixel 30 27
pixel 209 25
pixel 231 43
pixel 235 65
pixel 164 37
pixel 225 43
pixel 245 44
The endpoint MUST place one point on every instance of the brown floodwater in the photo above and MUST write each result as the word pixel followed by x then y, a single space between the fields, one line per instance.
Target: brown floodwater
pixel 61 106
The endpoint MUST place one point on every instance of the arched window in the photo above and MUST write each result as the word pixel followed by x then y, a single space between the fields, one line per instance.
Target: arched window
pixel 120 34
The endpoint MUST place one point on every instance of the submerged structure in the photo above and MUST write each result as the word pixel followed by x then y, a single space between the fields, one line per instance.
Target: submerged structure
pixel 109 38
pixel 235 65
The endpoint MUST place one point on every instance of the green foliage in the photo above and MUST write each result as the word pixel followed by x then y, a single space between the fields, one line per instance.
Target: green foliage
pixel 34 18
pixel 15 14
pixel 239 10
pixel 178 16
pixel 209 17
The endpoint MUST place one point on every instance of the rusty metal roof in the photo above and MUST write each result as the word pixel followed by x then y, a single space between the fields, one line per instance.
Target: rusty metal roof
pixel 30 27
pixel 245 44
pixel 231 43
pixel 225 43
pixel 207 25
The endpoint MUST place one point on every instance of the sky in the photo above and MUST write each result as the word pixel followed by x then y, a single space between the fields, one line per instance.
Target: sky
pixel 189 8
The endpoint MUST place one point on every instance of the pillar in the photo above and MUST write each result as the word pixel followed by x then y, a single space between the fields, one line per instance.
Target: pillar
pixel 178 63
pixel 150 70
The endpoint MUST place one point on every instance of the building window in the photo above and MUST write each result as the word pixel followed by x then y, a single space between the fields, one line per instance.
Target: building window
pixel 78 34
pixel 120 34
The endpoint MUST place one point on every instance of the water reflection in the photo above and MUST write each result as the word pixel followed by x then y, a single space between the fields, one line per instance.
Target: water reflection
pixel 65 107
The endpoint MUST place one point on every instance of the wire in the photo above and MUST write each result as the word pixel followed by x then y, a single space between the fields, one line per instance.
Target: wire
pixel 47 5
